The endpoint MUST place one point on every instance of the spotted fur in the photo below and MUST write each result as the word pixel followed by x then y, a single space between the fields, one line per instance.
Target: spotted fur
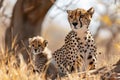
pixel 40 52
pixel 79 50
pixel 42 57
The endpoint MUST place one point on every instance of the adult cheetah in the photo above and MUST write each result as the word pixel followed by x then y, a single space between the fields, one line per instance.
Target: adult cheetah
pixel 79 50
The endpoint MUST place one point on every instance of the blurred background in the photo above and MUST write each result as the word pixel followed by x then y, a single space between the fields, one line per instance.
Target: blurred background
pixel 22 19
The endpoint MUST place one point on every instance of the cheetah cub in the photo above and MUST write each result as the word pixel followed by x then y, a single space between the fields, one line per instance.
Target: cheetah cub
pixel 79 49
pixel 41 56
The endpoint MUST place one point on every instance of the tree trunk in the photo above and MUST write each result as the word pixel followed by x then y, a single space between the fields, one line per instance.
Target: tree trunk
pixel 1 3
pixel 26 22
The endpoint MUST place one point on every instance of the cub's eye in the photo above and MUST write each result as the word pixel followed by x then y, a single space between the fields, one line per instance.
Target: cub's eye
pixel 32 45
pixel 71 16
pixel 39 45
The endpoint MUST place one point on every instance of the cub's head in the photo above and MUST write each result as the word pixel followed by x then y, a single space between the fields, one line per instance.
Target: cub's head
pixel 79 18
pixel 37 44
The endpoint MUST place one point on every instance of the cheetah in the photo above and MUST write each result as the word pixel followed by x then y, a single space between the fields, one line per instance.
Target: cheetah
pixel 41 57
pixel 79 49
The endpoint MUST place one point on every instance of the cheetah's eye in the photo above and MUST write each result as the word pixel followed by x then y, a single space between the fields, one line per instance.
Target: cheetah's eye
pixel 81 16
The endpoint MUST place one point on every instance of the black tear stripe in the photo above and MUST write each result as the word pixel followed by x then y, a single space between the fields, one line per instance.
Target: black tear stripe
pixel 80 23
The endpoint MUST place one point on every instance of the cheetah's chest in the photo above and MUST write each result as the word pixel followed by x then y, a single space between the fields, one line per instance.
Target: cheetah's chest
pixel 39 61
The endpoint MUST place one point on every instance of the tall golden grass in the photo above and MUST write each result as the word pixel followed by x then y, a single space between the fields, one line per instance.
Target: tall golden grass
pixel 10 69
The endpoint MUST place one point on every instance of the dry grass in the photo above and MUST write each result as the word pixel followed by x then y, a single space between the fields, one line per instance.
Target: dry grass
pixel 10 71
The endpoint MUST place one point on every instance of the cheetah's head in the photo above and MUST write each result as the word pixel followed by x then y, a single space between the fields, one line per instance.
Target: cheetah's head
pixel 79 18
pixel 37 44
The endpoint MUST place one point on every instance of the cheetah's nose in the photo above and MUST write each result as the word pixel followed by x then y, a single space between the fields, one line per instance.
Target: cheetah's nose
pixel 35 50
pixel 74 23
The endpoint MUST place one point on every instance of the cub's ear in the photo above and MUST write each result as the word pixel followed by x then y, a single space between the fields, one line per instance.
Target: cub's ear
pixel 68 11
pixel 91 11
pixel 30 40
pixel 45 43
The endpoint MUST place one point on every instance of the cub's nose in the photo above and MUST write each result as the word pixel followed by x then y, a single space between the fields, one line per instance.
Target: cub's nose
pixel 35 50
pixel 74 23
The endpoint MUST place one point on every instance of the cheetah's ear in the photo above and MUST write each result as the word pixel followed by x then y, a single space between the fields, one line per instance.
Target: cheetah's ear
pixel 91 11
pixel 30 40
pixel 45 43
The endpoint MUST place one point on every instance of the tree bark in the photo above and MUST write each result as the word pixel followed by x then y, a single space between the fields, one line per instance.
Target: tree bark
pixel 26 22
pixel 1 3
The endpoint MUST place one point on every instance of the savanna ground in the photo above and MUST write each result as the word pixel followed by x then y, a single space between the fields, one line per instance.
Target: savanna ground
pixel 107 38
